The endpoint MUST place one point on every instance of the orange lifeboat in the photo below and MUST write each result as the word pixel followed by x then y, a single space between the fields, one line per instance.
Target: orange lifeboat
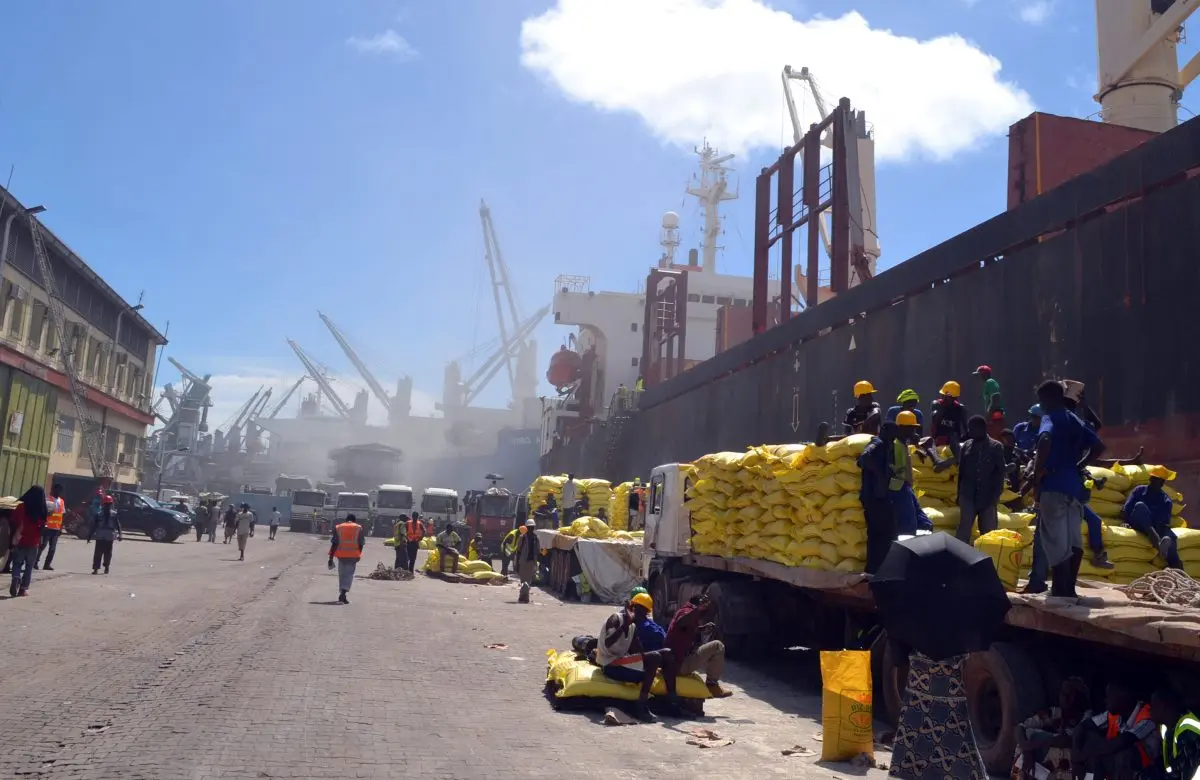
pixel 564 368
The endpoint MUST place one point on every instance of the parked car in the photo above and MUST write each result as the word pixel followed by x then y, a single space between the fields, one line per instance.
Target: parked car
pixel 145 515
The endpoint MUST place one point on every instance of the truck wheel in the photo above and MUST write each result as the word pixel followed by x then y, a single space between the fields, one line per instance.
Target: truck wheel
pixel 1003 688
pixel 742 623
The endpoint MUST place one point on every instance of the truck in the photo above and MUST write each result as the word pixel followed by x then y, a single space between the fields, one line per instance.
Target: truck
pixel 357 504
pixel 760 605
pixel 493 513
pixel 391 501
pixel 439 507
pixel 308 509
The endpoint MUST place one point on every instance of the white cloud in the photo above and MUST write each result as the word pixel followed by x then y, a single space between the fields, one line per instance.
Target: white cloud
pixel 710 68
pixel 389 43
pixel 1036 12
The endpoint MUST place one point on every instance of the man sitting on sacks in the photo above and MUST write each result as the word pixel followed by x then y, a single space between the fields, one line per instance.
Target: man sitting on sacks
pixel 623 658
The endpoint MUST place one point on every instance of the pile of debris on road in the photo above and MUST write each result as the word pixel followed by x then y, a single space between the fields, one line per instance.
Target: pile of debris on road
pixel 386 573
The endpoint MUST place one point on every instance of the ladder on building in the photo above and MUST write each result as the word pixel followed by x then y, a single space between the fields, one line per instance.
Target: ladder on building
pixel 91 430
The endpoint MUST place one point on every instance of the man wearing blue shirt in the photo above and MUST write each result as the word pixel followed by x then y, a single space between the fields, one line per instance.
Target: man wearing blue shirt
pixel 1148 511
pixel 1062 452
pixel 907 401
pixel 1025 433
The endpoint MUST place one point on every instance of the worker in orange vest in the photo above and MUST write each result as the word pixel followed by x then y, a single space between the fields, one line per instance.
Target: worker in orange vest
pixel 414 532
pixel 1122 741
pixel 349 539
pixel 56 508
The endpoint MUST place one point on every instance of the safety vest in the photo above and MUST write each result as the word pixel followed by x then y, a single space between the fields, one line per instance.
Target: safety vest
pixel 1140 714
pixel 347 536
pixel 472 551
pixel 415 530
pixel 55 520
pixel 509 545
pixel 1188 722
pixel 901 470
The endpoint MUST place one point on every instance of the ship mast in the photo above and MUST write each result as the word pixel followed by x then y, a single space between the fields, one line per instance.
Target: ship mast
pixel 710 189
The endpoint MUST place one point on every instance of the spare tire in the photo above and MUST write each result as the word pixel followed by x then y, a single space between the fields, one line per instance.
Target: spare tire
pixel 1004 687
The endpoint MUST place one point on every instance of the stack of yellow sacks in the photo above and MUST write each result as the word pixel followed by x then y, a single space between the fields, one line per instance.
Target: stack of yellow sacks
pixel 796 505
pixel 937 493
pixel 598 491
pixel 480 570
pixel 1120 480
pixel 618 507
pixel 595 528
pixel 543 486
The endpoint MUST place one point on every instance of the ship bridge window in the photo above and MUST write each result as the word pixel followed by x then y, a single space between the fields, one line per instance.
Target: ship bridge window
pixel 724 300
pixel 739 301
pixel 633 327
pixel 693 298
pixel 708 299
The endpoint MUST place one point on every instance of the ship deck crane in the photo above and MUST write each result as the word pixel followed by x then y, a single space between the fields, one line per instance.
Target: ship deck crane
pixel 314 371
pixel 236 420
pixel 286 397
pixel 364 372
pixel 507 351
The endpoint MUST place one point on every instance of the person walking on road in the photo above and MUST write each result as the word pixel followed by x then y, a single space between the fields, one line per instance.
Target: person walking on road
pixel 274 523
pixel 245 529
pixel 527 553
pixel 56 508
pixel 230 523
pixel 214 520
pixel 349 539
pixel 29 518
pixel 105 531
pixel 201 520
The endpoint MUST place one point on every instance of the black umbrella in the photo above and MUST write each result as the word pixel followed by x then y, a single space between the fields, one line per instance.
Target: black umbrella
pixel 939 596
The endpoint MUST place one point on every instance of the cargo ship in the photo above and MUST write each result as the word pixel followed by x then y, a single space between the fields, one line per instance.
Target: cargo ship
pixel 1088 275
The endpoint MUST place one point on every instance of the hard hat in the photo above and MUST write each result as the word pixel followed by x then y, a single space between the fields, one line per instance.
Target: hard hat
pixel 863 387
pixel 1163 473
pixel 637 590
pixel 530 524
pixel 643 600
pixel 906 418
pixel 951 389
pixel 908 395
pixel 984 369
pixel 1035 410
pixel 106 500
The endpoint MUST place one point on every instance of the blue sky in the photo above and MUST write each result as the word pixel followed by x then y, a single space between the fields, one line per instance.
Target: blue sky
pixel 245 164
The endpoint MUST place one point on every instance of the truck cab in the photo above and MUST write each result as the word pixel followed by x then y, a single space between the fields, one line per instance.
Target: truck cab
pixel 668 531
pixel 439 507
pixel 308 508
pixel 391 501
pixel 357 504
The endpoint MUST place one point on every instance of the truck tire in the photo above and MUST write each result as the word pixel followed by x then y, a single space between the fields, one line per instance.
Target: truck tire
pixel 1003 688
pixel 742 622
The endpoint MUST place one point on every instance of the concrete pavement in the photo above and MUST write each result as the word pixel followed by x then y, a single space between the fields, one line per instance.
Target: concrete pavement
pixel 185 663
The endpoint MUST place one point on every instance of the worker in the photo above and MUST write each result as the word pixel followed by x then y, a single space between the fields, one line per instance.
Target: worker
pixel 526 559
pixel 907 401
pixel 508 547
pixel 993 402
pixel 29 518
pixel 349 539
pixel 415 531
pixel 639 385
pixel 622 658
pixel 906 509
pixel 447 544
pixel 635 502
pixel 1179 731
pixel 683 639
pixel 622 397
pixel 1025 433
pixel 214 520
pixel 105 530
pixel 1044 738
pixel 1122 742
pixel 949 425
pixel 570 499
pixel 57 509
pixel 400 542
pixel 1064 445
pixel 873 495
pixel 1147 510
pixel 864 416
pixel 274 523
pixel 230 523
pixel 475 548
pixel 981 474
pixel 245 529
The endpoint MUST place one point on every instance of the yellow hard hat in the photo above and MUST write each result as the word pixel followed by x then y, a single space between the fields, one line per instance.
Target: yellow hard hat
pixel 643 600
pixel 951 389
pixel 1163 473
pixel 906 418
pixel 862 387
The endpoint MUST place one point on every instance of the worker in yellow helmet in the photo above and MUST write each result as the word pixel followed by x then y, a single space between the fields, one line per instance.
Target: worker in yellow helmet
pixel 864 416
pixel 1147 510
pixel 909 517
pixel 949 418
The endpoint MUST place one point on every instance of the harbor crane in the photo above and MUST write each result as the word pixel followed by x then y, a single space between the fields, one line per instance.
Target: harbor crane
pixel 286 397
pixel 373 383
pixel 318 376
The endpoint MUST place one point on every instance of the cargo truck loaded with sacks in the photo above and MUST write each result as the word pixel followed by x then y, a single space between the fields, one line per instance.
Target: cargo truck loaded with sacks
pixel 777 539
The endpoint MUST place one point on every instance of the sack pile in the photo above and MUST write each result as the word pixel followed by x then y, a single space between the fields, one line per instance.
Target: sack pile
pixel 479 570
pixel 618 506
pixel 595 528
pixel 569 676
pixel 1119 481
pixel 1189 551
pixel 541 487
pixel 598 491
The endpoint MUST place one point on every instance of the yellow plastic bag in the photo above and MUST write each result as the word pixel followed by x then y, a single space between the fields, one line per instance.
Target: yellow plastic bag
pixel 846 717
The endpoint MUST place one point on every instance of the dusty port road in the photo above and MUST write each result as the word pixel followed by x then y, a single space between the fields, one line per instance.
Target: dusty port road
pixel 185 663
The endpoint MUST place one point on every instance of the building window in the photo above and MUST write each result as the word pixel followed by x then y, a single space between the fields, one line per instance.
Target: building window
pixel 66 434
pixel 129 449
pixel 739 301
pixel 16 325
pixel 633 327
pixel 635 361
pixel 693 298
pixel 110 444
pixel 724 300
pixel 708 299
pixel 37 325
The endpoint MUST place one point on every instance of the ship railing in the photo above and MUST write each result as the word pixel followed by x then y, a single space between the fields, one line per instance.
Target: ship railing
pixel 624 401
pixel 568 283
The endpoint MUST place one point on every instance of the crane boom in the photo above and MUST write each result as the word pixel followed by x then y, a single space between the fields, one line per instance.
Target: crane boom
pixel 286 397
pixel 188 375
pixel 364 372
pixel 498 270
pixel 507 352
pixel 339 405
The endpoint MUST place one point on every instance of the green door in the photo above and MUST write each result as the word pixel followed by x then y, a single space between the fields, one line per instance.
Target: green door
pixel 29 424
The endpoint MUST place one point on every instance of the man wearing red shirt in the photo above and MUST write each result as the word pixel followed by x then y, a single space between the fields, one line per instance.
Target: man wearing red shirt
pixel 29 518
pixel 683 637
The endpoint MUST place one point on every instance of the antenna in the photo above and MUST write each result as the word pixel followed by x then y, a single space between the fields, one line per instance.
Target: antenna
pixel 711 189
pixel 669 238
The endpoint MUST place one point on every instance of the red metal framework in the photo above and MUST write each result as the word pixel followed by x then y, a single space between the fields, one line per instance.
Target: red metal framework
pixel 834 187
pixel 664 333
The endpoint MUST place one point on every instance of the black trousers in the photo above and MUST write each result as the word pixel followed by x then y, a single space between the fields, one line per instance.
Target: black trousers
pixel 413 547
pixel 881 530
pixel 102 553
pixel 401 556
pixel 49 544
pixel 199 531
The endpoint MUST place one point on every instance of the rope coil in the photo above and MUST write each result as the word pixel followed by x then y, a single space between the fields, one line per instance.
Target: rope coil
pixel 1169 586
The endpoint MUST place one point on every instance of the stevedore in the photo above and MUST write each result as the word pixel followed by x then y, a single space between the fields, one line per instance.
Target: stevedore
pixel 622 397
pixel 414 532
pixel 1065 446
pixel 200 518
pixel 981 473
pixel 907 401
pixel 105 530
pixel 214 520
pixel 906 509
pixel 274 523
pixel 873 495
pixel 508 547
pixel 1147 510
pixel 1025 433
pixel 949 426
pixel 245 529
pixel 1044 739
pixel 400 542
pixel 635 502
pixel 475 548
pixel 349 539
pixel 621 656
pixel 570 494
pixel 639 385
pixel 447 544
pixel 230 523
pixel 1121 742
pixel 1179 731
pixel 683 640
pixel 526 559
pixel 29 518
pixel 57 509
pixel 864 416
pixel 993 402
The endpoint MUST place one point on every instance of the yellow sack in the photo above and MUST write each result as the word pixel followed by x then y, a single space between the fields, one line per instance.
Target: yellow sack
pixel 571 677
pixel 1189 538
pixel 850 446
pixel 1117 479
pixel 829 553
pixel 846 716
pixel 1005 548
pixel 1105 508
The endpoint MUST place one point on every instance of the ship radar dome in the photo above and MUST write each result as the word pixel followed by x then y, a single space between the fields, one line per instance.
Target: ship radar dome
pixel 670 220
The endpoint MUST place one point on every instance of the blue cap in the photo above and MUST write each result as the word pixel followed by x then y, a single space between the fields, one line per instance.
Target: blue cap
pixel 1035 410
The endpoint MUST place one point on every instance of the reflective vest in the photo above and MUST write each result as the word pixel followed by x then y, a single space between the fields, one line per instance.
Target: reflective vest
pixel 347 536
pixel 901 467
pixel 509 545
pixel 1140 714
pixel 1188 723
pixel 55 520
pixel 472 551
pixel 414 530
